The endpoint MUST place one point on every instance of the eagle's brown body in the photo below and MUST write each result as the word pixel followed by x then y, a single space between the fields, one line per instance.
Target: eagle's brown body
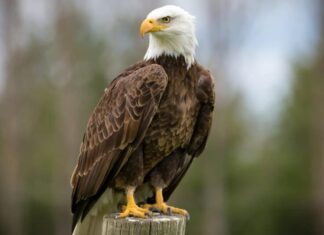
pixel 173 124
pixel 151 122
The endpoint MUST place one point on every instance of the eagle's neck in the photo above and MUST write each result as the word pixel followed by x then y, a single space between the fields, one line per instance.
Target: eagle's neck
pixel 182 45
pixel 169 62
pixel 176 69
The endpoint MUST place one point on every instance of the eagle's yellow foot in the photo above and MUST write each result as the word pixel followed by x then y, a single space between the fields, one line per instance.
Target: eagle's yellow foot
pixel 163 207
pixel 145 210
pixel 166 209
pixel 131 209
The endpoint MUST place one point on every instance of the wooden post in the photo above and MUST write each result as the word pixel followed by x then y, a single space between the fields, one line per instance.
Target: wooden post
pixel 156 225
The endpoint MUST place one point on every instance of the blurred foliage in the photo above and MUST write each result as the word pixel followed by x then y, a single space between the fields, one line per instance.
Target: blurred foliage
pixel 41 84
pixel 274 194
pixel 242 184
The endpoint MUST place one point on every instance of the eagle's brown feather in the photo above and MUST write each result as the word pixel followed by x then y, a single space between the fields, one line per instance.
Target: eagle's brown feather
pixel 190 118
pixel 117 126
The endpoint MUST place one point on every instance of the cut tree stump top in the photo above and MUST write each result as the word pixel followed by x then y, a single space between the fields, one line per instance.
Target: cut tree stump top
pixel 155 225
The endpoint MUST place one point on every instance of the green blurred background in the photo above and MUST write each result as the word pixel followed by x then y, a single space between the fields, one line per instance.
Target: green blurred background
pixel 263 169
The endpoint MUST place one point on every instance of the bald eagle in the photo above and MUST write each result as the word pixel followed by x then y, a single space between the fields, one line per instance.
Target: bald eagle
pixel 151 122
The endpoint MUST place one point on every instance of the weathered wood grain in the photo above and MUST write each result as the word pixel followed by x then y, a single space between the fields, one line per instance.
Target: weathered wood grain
pixel 156 225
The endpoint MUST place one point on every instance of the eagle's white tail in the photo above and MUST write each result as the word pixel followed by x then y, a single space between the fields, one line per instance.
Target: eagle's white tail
pixel 92 223
pixel 107 204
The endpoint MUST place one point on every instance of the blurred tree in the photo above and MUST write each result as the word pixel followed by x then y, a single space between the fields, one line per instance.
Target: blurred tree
pixel 318 160
pixel 12 187
pixel 303 132
pixel 317 125
pixel 45 113
pixel 291 169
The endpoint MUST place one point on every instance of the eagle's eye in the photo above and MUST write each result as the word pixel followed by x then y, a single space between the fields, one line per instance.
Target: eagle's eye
pixel 166 19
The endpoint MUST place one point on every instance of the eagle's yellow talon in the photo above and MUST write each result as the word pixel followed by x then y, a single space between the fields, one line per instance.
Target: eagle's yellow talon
pixel 131 209
pixel 178 211
pixel 145 210
pixel 147 206
pixel 163 207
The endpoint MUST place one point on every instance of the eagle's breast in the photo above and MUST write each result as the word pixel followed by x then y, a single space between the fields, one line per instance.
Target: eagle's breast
pixel 173 125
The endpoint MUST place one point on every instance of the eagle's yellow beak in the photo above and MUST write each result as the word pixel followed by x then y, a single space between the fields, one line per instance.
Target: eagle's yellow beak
pixel 151 25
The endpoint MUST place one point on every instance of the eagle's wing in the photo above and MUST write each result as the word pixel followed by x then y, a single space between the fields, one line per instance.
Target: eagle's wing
pixel 206 96
pixel 115 129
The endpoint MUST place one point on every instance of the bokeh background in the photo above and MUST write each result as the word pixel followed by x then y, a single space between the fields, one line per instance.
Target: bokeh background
pixel 263 169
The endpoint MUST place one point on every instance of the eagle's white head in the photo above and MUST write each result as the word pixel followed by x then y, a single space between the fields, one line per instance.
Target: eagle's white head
pixel 172 32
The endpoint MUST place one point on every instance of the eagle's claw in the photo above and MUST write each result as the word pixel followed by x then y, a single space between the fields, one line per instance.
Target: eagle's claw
pixel 166 209
pixel 134 211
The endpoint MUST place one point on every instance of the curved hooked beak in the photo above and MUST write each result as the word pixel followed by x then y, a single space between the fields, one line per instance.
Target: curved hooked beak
pixel 150 26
